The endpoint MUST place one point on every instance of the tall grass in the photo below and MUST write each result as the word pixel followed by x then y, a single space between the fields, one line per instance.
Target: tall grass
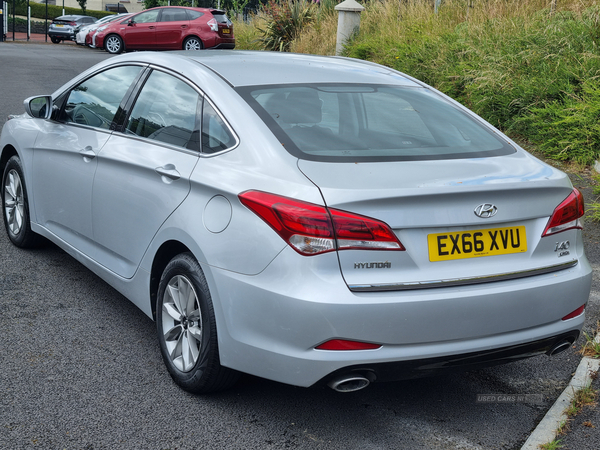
pixel 532 71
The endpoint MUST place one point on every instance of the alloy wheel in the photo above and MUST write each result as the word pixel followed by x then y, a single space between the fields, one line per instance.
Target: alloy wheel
pixel 14 202
pixel 193 44
pixel 113 44
pixel 182 323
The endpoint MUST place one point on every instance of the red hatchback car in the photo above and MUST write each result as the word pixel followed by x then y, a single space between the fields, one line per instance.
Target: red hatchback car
pixel 168 28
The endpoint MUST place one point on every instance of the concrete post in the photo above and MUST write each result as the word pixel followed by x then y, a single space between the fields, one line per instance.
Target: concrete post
pixel 348 22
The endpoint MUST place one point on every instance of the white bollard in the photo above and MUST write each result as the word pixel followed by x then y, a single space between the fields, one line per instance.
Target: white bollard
pixel 348 22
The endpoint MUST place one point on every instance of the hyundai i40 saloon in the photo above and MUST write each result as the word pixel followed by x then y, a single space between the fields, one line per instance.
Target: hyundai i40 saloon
pixel 310 220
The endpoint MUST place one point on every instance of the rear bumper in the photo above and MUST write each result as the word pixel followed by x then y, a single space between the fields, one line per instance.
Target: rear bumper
pixel 406 370
pixel 68 36
pixel 269 324
pixel 225 45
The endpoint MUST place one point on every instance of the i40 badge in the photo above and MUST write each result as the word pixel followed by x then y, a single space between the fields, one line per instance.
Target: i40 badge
pixel 562 248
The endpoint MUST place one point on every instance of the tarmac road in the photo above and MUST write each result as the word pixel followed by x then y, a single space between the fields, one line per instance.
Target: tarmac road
pixel 81 368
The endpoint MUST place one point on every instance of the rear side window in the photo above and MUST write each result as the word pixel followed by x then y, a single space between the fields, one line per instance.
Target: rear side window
pixel 216 134
pixel 353 123
pixel 166 111
pixel 193 15
pixel 95 101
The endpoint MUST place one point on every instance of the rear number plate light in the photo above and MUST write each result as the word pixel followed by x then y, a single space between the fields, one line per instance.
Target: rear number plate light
pixel 476 243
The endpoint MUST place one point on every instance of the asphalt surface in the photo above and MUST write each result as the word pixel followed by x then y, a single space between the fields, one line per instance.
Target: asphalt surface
pixel 81 367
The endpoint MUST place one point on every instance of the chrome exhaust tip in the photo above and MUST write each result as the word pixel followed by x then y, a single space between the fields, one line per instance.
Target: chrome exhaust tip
pixel 349 383
pixel 560 347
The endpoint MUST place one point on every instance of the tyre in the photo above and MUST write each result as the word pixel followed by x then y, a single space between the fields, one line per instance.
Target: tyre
pixel 113 44
pixel 55 40
pixel 193 43
pixel 15 206
pixel 187 331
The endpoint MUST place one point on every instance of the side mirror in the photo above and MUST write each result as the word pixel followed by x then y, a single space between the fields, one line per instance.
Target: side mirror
pixel 130 22
pixel 39 107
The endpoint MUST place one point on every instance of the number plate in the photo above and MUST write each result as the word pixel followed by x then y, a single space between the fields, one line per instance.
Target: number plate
pixel 60 25
pixel 226 30
pixel 476 243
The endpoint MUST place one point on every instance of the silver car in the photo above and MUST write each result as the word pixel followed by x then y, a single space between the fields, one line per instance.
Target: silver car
pixel 64 28
pixel 310 220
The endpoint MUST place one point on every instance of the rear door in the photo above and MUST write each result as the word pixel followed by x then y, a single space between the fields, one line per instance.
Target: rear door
pixel 144 172
pixel 172 28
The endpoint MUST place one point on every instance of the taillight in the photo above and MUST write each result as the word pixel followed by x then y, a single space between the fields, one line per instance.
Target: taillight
pixel 566 215
pixel 312 229
pixel 212 23
pixel 73 24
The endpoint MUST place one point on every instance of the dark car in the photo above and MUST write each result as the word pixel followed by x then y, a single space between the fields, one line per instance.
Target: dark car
pixel 168 28
pixel 64 28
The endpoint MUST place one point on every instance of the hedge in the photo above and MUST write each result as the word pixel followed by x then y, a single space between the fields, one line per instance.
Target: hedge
pixel 38 10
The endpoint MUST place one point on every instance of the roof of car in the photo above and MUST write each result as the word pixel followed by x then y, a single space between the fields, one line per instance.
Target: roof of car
pixel 249 68
pixel 73 17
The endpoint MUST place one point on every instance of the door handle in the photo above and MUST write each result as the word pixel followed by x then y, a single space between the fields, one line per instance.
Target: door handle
pixel 87 153
pixel 168 173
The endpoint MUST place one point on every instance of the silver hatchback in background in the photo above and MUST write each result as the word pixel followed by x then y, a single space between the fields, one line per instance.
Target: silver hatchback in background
pixel 64 28
pixel 310 220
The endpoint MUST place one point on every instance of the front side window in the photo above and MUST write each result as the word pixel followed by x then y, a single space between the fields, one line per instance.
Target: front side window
pixel 346 122
pixel 166 111
pixel 147 17
pixel 95 101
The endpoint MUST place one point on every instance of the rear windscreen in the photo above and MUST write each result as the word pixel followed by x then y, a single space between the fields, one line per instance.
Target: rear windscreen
pixel 371 123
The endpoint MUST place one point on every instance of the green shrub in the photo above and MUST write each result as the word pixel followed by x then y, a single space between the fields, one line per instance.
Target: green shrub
pixel 284 22
pixel 567 128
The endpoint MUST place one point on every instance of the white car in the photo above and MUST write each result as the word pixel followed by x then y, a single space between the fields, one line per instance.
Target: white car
pixel 83 31
pixel 310 220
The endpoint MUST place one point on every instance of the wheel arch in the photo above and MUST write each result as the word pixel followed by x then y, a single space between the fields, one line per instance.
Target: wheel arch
pixel 165 253
pixel 7 152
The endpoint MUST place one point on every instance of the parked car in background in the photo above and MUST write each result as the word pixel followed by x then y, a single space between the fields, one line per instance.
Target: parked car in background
pixel 168 28
pixel 82 32
pixel 64 28
pixel 311 220
pixel 90 38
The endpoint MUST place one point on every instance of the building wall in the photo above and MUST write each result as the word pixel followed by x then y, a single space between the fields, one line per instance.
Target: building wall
pixel 100 5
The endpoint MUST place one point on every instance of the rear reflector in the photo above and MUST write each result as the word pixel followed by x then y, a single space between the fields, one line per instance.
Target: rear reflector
pixel 566 215
pixel 577 312
pixel 311 229
pixel 342 344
